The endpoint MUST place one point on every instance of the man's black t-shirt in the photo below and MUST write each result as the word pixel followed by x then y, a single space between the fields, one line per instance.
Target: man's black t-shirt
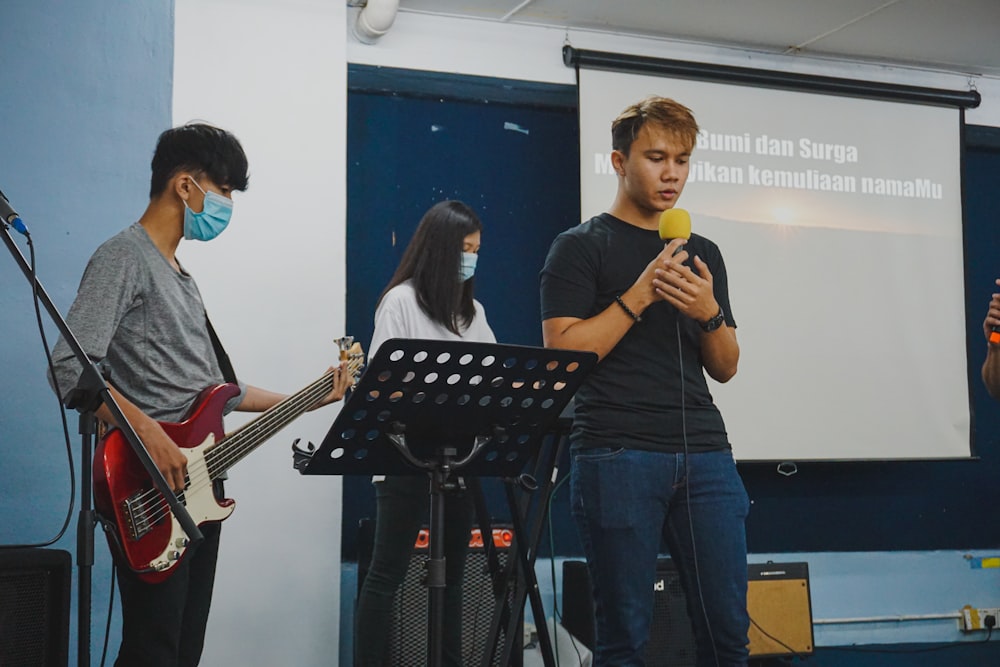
pixel 633 398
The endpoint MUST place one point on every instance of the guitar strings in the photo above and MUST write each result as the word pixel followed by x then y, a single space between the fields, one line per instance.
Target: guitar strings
pixel 255 432
pixel 204 476
pixel 218 458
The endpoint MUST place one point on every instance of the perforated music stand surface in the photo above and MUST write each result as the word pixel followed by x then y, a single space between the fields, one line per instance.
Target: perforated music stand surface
pixel 450 394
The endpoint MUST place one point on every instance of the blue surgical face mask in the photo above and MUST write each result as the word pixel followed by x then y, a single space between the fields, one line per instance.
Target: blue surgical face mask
pixel 468 268
pixel 214 217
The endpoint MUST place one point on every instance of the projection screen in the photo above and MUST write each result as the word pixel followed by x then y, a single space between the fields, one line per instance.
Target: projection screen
pixel 841 225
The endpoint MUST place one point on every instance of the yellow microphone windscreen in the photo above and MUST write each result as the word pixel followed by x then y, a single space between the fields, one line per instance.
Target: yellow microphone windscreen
pixel 675 223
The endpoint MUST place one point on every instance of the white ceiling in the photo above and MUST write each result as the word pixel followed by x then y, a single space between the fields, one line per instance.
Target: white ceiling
pixel 948 35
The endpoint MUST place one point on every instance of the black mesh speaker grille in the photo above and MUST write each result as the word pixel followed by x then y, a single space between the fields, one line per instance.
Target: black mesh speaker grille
pixel 408 627
pixel 34 607
pixel 671 641
pixel 408 635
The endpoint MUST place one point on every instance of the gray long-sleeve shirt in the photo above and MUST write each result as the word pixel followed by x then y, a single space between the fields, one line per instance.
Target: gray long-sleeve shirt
pixel 146 322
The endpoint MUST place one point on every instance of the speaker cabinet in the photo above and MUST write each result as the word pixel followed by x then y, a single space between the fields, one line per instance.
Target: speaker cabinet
pixel 34 607
pixel 407 633
pixel 780 609
pixel 577 605
pixel 777 601
pixel 671 640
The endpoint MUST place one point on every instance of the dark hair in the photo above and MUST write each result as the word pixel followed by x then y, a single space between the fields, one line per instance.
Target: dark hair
pixel 669 115
pixel 433 261
pixel 202 149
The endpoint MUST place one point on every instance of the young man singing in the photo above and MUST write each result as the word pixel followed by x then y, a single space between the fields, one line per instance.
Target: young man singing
pixel 651 459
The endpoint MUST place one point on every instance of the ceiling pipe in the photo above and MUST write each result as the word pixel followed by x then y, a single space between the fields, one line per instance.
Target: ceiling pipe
pixel 375 19
pixel 506 17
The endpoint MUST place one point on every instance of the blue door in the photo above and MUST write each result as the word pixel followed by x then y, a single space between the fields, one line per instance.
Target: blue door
pixel 510 150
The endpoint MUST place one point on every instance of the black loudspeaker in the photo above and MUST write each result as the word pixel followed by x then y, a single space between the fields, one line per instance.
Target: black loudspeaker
pixel 34 607
pixel 577 605
pixel 671 640
pixel 407 634
pixel 780 609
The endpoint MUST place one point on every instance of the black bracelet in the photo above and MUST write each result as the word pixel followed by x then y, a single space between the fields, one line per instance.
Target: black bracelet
pixel 628 311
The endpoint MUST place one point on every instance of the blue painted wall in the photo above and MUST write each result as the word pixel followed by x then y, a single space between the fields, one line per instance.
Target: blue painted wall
pixel 86 89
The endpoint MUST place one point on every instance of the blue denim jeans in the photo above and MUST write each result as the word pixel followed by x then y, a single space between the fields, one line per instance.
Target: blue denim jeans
pixel 626 502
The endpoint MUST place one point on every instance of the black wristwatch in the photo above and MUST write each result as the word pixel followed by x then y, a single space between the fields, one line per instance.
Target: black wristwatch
pixel 714 323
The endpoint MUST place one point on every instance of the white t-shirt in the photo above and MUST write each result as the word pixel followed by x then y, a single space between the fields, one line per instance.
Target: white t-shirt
pixel 400 316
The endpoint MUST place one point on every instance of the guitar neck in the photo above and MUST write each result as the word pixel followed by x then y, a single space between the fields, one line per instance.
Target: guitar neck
pixel 244 440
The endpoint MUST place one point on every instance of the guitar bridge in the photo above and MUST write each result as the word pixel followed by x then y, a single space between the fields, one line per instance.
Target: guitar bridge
pixel 136 518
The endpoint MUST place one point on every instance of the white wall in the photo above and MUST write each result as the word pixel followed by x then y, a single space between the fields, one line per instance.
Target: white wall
pixel 274 74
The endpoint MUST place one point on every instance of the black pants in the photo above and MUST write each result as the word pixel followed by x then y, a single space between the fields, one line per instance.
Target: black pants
pixel 402 506
pixel 163 625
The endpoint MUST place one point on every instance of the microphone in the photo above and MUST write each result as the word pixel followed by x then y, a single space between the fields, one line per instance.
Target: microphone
pixel 10 216
pixel 675 223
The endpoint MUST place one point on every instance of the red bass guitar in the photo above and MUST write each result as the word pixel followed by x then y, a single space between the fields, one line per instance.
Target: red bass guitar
pixel 146 534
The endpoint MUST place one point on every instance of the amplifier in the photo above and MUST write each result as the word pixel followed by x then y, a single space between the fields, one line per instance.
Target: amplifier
pixel 780 609
pixel 407 634
pixel 671 640
pixel 777 601
pixel 34 607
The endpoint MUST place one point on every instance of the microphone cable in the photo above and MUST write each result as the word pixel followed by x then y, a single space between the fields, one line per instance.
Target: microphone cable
pixel 62 409
pixel 111 608
pixel 66 439
pixel 557 618
pixel 687 489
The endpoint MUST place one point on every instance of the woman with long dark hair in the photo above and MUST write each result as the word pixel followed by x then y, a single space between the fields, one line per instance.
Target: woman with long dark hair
pixel 431 297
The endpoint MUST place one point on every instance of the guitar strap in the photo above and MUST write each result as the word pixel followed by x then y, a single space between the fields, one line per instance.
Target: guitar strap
pixel 226 366
pixel 220 353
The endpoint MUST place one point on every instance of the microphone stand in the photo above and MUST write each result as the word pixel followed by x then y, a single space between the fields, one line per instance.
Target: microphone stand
pixel 91 391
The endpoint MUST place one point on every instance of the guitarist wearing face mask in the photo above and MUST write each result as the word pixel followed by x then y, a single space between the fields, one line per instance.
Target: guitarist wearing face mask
pixel 140 313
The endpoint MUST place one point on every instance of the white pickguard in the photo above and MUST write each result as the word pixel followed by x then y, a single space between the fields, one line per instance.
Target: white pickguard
pixel 199 500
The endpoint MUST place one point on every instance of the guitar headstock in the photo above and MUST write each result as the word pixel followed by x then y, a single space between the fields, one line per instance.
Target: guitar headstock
pixel 353 354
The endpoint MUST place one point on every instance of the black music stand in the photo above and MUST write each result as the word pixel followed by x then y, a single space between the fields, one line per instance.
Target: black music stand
pixel 481 409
